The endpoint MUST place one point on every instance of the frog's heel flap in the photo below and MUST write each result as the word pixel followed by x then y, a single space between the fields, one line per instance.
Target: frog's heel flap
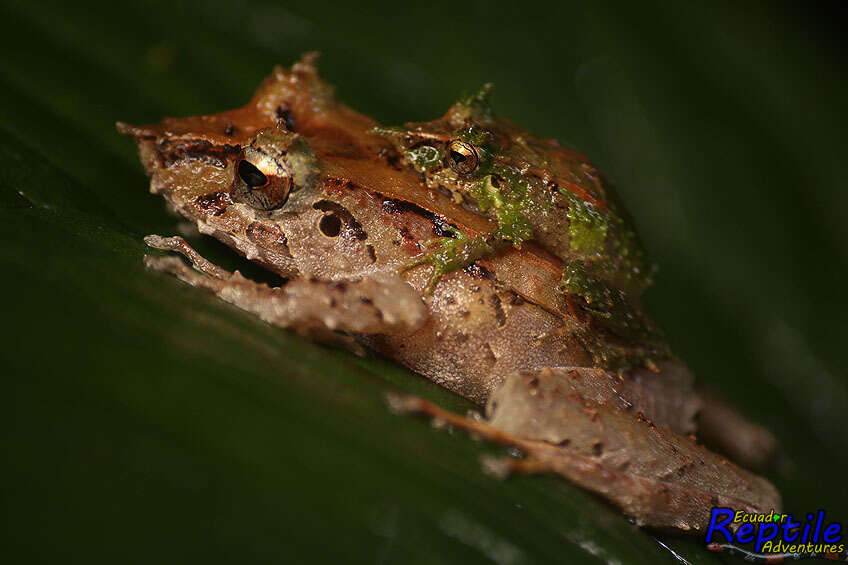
pixel 733 434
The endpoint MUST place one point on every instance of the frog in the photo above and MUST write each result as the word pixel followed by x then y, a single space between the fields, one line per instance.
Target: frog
pixel 313 191
pixel 535 189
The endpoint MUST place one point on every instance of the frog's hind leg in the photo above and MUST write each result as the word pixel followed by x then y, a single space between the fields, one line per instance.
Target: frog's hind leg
pixel 657 477
pixel 635 497
pixel 309 305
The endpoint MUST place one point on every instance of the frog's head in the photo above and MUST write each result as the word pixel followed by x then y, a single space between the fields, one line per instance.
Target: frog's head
pixel 492 166
pixel 459 146
pixel 283 179
pixel 470 148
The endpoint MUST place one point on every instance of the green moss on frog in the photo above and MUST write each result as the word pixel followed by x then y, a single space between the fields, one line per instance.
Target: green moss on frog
pixel 425 157
pixel 507 195
pixel 472 107
pixel 606 240
pixel 617 334
pixel 480 137
pixel 587 227
pixel 451 254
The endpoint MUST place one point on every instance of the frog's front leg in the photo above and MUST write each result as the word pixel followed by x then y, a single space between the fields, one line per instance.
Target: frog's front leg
pixel 307 304
pixel 657 477
pixel 453 253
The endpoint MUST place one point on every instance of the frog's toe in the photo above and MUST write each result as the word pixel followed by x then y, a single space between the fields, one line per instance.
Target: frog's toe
pixel 181 246
pixel 503 467
pixel 417 261
pixel 434 279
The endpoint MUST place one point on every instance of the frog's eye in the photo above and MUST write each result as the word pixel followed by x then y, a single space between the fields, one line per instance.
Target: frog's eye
pixel 273 165
pixel 462 157
pixel 266 190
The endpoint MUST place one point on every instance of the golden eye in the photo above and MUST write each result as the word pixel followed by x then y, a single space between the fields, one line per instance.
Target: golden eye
pixel 273 164
pixel 260 190
pixel 462 157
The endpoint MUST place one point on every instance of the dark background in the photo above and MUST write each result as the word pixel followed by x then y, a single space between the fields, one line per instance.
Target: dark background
pixel 143 420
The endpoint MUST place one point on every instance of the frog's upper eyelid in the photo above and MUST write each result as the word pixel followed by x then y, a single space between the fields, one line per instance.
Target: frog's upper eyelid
pixel 403 132
pixel 428 135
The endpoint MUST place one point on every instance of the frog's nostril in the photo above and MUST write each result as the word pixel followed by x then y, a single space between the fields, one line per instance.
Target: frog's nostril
pixel 330 225
pixel 341 216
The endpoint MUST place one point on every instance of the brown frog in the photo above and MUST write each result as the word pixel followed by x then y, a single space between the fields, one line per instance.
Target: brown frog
pixel 339 207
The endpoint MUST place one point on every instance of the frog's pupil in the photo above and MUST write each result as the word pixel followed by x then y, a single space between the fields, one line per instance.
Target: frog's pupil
pixel 457 157
pixel 252 176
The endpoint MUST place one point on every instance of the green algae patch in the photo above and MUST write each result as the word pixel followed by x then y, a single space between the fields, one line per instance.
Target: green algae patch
pixel 425 157
pixel 512 199
pixel 513 225
pixel 587 227
pixel 476 135
pixel 473 106
pixel 610 243
pixel 451 254
pixel 576 280
pixel 616 332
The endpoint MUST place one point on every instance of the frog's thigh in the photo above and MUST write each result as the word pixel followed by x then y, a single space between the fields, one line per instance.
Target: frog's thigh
pixel 366 305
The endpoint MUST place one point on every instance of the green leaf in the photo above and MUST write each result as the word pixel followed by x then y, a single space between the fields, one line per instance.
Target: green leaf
pixel 145 421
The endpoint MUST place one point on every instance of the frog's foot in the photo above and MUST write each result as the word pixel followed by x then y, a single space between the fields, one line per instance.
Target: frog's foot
pixel 306 304
pixel 452 254
pixel 657 477
pixel 503 467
